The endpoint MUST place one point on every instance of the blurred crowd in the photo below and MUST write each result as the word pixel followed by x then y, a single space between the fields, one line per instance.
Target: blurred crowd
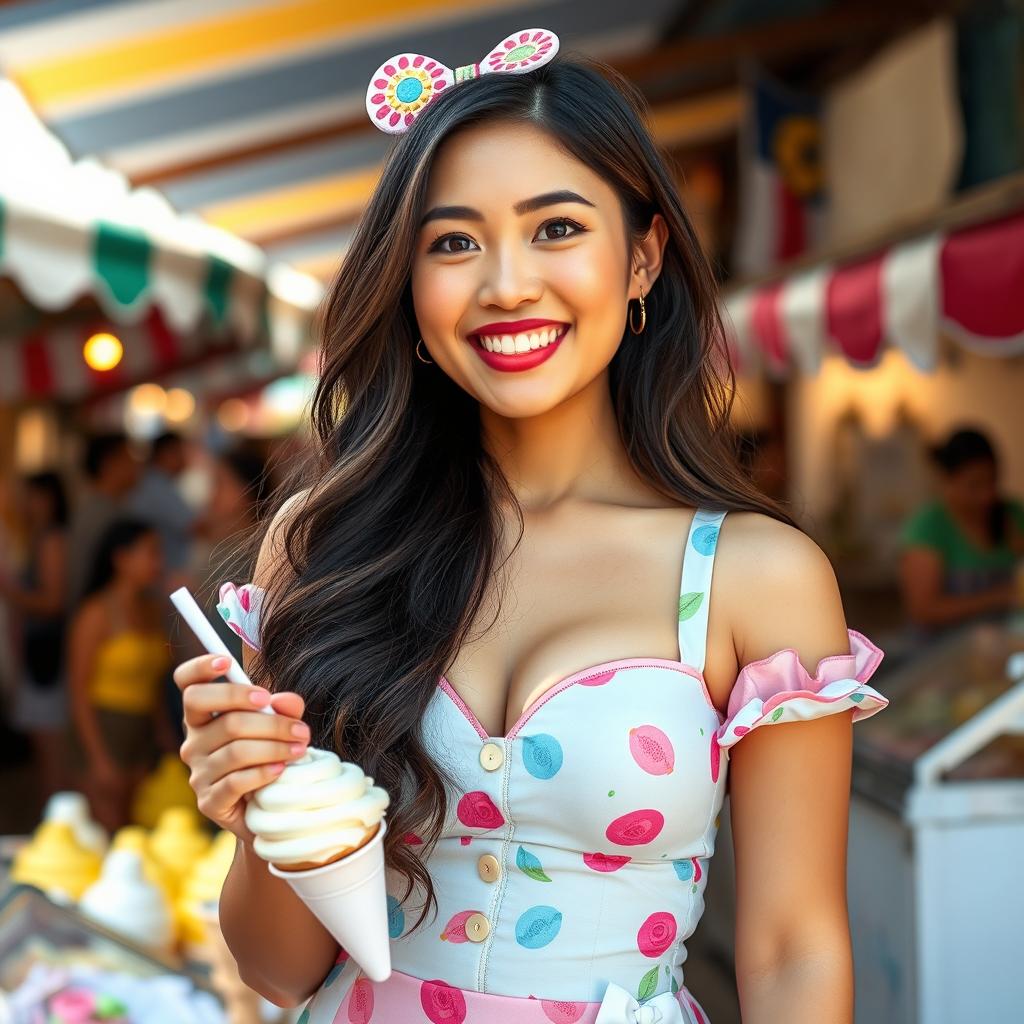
pixel 88 637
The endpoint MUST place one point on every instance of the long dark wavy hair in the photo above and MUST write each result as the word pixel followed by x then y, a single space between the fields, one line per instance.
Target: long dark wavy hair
pixel 393 545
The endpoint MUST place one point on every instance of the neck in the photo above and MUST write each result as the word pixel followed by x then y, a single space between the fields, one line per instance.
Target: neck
pixel 572 452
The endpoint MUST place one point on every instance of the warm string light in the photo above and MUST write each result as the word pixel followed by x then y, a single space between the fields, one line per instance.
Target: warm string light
pixel 102 352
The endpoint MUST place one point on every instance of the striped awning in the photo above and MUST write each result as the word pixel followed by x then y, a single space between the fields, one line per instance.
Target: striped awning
pixel 250 113
pixel 965 284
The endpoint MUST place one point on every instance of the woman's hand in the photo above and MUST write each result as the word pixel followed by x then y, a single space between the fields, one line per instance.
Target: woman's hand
pixel 231 747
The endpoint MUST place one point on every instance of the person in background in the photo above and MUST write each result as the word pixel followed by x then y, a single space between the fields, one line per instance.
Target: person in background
pixel 38 599
pixel 118 655
pixel 960 550
pixel 158 500
pixel 111 471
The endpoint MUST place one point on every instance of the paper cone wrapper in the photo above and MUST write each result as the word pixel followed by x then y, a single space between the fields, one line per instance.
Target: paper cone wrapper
pixel 350 900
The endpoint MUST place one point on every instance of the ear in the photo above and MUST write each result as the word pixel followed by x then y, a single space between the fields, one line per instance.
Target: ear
pixel 648 255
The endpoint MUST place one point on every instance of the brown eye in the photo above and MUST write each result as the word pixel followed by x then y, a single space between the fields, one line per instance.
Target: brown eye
pixel 559 228
pixel 438 244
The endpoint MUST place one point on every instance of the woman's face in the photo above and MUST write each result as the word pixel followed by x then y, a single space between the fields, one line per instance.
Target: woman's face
pixel 974 487
pixel 520 243
pixel 142 562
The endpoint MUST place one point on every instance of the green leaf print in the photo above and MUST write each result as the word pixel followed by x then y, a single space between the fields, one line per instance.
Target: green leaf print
pixel 648 985
pixel 530 866
pixel 304 1018
pixel 777 714
pixel 675 986
pixel 689 604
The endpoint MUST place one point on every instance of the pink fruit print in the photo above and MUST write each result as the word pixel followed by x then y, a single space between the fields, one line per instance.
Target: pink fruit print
pixel 656 934
pixel 604 861
pixel 636 828
pixel 652 750
pixel 477 810
pixel 360 1002
pixel 441 1003
pixel 560 1012
pixel 716 758
pixel 455 929
pixel 599 680
pixel 465 840
pixel 741 730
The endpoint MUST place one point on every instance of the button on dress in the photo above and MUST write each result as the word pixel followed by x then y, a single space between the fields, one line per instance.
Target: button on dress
pixel 575 852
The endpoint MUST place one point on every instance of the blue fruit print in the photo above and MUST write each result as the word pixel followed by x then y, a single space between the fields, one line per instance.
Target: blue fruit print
pixel 684 869
pixel 396 918
pixel 542 755
pixel 704 539
pixel 537 927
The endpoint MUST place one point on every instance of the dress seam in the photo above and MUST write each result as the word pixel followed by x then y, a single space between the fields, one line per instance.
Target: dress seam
pixel 499 896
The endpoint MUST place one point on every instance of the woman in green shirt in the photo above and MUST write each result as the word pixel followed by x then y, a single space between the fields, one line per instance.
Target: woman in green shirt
pixel 960 551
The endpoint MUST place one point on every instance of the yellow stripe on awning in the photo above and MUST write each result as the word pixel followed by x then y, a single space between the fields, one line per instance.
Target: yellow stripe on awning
pixel 201 46
pixel 327 200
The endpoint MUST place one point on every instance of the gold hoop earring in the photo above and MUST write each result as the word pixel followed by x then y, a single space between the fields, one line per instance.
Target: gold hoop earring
pixel 419 357
pixel 643 316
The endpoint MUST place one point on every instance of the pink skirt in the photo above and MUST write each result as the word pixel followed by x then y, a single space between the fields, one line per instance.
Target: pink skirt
pixel 404 999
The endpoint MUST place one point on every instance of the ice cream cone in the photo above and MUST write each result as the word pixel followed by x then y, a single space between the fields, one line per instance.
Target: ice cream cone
pixel 349 898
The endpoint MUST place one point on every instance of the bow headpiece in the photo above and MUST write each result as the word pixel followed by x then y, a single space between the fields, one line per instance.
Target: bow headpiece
pixel 402 86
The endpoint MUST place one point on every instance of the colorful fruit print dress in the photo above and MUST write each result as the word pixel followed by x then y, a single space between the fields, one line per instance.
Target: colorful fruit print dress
pixel 574 858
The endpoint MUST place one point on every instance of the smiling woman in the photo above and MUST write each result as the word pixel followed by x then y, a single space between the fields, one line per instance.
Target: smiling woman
pixel 548 491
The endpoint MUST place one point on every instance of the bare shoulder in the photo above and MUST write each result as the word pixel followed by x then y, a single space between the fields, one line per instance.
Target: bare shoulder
pixel 779 589
pixel 91 620
pixel 272 558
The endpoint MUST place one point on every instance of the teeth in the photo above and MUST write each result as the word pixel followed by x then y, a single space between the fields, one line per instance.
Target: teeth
pixel 513 344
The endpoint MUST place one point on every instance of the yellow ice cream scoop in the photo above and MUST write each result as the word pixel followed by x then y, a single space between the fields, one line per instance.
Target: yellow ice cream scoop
pixel 165 787
pixel 202 888
pixel 177 842
pixel 56 862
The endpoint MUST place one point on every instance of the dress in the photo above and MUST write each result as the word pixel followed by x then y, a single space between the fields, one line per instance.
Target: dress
pixel 574 857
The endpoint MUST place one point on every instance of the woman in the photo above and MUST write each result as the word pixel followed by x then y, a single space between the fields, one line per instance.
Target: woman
pixel 550 827
pixel 961 549
pixel 38 597
pixel 118 654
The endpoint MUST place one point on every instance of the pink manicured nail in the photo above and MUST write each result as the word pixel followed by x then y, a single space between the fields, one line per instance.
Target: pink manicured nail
pixel 220 663
pixel 276 769
pixel 296 749
pixel 259 697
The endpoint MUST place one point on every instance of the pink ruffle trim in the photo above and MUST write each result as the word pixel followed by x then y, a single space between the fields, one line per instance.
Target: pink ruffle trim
pixel 239 607
pixel 779 689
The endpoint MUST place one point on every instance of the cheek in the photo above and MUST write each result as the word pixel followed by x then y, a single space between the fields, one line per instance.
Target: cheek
pixel 440 297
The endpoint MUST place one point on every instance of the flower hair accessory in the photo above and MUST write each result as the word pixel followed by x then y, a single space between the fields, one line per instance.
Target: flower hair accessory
pixel 402 86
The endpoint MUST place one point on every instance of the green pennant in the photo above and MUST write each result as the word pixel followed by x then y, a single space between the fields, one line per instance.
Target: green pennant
pixel 121 259
pixel 218 289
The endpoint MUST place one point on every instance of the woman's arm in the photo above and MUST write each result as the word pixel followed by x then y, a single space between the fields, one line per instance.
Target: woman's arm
pixel 928 605
pixel 282 950
pixel 48 597
pixel 88 629
pixel 789 788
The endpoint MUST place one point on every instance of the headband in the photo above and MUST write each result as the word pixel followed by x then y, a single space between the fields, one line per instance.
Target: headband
pixel 402 86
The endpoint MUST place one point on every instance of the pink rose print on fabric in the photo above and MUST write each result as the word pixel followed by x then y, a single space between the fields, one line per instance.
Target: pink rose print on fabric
pixel 477 810
pixel 636 828
pixel 560 1012
pixel 599 680
pixel 656 934
pixel 411 839
pixel 465 840
pixel 360 1002
pixel 455 929
pixel 604 861
pixel 716 758
pixel 441 1003
pixel 652 750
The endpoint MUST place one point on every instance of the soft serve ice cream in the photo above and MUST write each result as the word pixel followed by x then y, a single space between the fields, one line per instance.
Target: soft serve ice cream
pixel 318 810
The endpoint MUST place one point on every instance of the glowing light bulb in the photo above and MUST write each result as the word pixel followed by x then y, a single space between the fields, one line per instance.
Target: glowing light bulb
pixel 233 414
pixel 102 352
pixel 180 405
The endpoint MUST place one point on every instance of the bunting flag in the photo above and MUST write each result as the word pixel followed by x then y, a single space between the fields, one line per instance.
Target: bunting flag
pixel 966 284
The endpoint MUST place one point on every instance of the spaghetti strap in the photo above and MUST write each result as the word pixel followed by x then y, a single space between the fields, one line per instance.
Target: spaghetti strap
pixel 695 586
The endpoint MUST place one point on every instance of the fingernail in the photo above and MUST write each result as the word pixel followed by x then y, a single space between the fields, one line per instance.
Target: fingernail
pixel 220 663
pixel 259 697
pixel 296 749
pixel 276 769
pixel 299 729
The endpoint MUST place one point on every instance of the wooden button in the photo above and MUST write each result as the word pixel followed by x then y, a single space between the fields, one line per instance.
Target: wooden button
pixel 488 868
pixel 492 756
pixel 477 927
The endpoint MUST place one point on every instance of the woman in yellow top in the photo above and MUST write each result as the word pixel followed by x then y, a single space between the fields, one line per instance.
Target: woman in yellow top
pixel 118 656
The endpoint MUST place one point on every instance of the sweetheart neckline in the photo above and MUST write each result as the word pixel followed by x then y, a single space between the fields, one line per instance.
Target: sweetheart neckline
pixel 445 686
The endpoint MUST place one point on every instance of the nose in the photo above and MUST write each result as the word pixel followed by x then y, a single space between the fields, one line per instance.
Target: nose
pixel 509 279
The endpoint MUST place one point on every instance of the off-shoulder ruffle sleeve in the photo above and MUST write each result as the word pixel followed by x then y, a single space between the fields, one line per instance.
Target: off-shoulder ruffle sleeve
pixel 240 607
pixel 779 689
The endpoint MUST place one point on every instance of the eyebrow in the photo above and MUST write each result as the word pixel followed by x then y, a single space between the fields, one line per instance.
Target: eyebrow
pixel 523 206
